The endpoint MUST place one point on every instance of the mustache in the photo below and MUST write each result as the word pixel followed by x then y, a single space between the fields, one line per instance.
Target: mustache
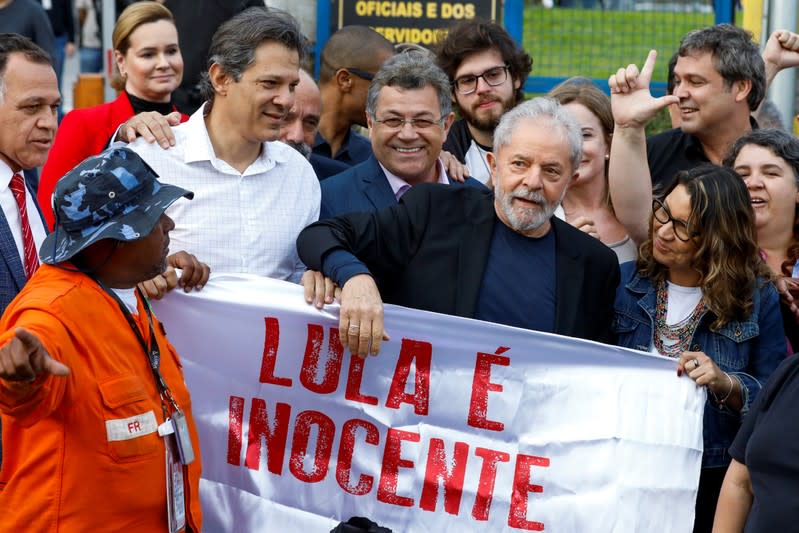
pixel 531 196
pixel 487 99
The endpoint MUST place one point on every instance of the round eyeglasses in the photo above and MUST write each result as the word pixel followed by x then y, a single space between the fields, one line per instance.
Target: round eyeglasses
pixel 680 227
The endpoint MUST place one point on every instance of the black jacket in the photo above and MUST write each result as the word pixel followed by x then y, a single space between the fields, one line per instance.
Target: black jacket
pixel 430 251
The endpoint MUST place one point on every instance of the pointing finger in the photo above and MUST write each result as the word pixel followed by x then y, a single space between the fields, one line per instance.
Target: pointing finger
pixel 649 66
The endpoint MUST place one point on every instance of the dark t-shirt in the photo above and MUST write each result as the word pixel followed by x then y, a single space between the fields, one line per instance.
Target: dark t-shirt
pixel 672 151
pixel 355 148
pixel 768 444
pixel 28 18
pixel 459 140
pixel 60 15
pixel 518 287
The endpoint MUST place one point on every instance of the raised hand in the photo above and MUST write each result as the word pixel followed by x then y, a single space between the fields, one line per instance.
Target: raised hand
pixel 782 50
pixel 631 100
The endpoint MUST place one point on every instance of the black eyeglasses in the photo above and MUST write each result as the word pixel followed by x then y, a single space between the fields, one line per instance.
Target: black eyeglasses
pixel 494 76
pixel 363 74
pixel 680 227
pixel 396 123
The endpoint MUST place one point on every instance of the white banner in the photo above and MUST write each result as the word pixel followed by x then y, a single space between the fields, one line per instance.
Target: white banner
pixel 458 425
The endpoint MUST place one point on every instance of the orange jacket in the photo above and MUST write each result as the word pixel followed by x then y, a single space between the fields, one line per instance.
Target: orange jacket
pixel 61 470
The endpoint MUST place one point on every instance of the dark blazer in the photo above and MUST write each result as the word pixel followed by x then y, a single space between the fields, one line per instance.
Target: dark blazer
pixel 324 167
pixel 12 273
pixel 363 187
pixel 430 251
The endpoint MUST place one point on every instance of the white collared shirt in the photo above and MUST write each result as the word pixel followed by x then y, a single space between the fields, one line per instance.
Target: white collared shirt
pixel 245 223
pixel 11 211
pixel 400 186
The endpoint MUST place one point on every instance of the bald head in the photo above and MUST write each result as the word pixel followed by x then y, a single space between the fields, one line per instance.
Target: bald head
pixel 302 121
pixel 358 47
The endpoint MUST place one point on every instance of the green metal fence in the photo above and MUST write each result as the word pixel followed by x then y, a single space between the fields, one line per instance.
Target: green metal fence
pixel 594 42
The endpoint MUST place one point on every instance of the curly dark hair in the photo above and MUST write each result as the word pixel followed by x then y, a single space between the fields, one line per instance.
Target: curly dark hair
pixel 476 35
pixel 726 255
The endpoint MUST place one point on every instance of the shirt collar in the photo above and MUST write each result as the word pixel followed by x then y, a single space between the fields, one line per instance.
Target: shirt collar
pixel 399 185
pixel 321 141
pixel 199 148
pixel 5 175
pixel 345 144
pixel 318 140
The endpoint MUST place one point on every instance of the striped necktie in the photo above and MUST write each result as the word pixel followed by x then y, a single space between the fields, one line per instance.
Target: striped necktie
pixel 17 187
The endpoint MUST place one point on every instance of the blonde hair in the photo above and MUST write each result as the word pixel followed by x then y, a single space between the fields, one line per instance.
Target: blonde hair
pixel 131 18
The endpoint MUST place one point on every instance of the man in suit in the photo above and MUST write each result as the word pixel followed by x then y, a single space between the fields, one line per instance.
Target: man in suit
pixel 498 257
pixel 29 99
pixel 408 112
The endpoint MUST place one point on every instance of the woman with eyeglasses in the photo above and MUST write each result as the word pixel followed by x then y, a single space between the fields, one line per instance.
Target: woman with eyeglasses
pixel 700 293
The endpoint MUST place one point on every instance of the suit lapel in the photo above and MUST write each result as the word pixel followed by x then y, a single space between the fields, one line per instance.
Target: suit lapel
pixel 568 283
pixel 375 186
pixel 36 203
pixel 473 249
pixel 8 249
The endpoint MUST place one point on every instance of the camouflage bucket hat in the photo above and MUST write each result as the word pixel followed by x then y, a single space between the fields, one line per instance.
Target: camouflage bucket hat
pixel 114 195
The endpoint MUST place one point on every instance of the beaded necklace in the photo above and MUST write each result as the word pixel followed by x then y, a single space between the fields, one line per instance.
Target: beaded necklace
pixel 681 332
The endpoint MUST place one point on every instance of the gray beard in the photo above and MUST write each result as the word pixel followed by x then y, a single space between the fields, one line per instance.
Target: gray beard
pixel 536 219
pixel 302 148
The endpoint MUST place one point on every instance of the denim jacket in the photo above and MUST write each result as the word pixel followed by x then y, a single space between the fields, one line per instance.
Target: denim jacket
pixel 748 350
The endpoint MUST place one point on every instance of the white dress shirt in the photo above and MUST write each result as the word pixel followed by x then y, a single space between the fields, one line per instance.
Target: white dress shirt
pixel 11 211
pixel 245 223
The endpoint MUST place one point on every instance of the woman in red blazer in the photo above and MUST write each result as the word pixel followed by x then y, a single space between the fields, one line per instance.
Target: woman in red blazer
pixel 150 67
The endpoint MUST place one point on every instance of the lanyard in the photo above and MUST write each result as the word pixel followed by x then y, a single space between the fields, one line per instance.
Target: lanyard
pixel 151 350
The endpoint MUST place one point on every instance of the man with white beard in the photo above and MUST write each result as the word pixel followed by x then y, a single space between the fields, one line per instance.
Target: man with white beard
pixel 497 256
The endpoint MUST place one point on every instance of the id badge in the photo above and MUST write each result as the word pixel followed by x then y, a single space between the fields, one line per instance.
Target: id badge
pixel 175 492
pixel 182 437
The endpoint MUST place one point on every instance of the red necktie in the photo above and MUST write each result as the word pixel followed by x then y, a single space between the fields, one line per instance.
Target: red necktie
pixel 17 187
